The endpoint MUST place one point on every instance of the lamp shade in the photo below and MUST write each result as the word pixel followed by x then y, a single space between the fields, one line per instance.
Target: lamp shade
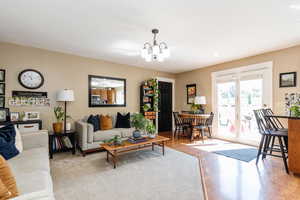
pixel 200 100
pixel 65 95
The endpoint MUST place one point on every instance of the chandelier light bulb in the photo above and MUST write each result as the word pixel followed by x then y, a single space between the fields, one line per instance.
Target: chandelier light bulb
pixel 155 49
pixel 166 52
pixel 148 58
pixel 144 52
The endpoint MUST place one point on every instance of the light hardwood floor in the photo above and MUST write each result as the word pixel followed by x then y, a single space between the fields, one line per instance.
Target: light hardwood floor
pixel 231 179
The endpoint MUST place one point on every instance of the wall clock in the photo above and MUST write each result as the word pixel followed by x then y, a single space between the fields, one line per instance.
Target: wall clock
pixel 31 79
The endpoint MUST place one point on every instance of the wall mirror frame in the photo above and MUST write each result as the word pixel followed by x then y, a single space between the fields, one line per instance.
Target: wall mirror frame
pixel 106 91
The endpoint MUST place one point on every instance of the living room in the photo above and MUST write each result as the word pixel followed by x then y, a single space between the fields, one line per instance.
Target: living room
pixel 89 106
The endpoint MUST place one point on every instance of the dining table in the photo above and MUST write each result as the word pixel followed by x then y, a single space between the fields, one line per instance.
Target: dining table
pixel 192 119
pixel 293 142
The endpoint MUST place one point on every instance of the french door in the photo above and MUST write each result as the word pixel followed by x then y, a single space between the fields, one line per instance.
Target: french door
pixel 236 94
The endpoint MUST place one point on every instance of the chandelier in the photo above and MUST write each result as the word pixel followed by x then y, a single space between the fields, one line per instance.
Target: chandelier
pixel 155 51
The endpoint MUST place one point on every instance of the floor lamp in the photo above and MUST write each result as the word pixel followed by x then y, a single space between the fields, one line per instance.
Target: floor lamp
pixel 65 96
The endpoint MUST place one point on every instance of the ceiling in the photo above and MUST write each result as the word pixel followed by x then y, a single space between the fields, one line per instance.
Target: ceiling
pixel 198 32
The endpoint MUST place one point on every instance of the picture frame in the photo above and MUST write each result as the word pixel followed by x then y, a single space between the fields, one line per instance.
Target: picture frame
pixel 32 116
pixel 191 91
pixel 4 114
pixel 2 101
pixel 288 79
pixel 2 88
pixel 14 116
pixel 2 75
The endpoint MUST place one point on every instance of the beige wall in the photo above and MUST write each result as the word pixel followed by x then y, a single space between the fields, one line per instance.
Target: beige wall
pixel 286 60
pixel 69 71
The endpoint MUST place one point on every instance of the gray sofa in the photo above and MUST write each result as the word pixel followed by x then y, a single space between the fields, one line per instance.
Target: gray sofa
pixel 31 168
pixel 89 141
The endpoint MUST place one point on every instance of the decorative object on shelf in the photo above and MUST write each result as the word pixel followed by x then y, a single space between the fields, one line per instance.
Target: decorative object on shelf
pixel 138 121
pixel 107 91
pixel 4 115
pixel 2 88
pixel 31 79
pixel 197 106
pixel 65 96
pixel 22 116
pixel 288 79
pixel 150 129
pixel 59 115
pixel 191 93
pixel 156 51
pixel 290 100
pixel 32 116
pixel 14 116
pixel 28 98
pixel 2 75
pixel 2 101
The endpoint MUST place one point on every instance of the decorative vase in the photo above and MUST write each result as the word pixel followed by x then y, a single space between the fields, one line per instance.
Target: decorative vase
pixel 136 134
pixel 58 127
pixel 68 126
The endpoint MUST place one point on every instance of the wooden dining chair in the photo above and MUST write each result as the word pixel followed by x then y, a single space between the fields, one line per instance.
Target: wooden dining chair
pixel 268 132
pixel 181 125
pixel 203 124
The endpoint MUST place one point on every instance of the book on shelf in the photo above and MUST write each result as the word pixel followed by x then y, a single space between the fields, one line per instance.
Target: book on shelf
pixel 62 143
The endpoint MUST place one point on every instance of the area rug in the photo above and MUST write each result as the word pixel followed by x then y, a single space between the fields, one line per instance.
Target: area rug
pixel 143 175
pixel 240 154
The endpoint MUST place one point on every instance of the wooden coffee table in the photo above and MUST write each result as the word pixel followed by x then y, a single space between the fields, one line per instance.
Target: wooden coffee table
pixel 115 150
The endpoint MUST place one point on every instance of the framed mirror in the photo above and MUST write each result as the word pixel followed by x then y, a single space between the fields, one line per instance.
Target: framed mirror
pixel 107 91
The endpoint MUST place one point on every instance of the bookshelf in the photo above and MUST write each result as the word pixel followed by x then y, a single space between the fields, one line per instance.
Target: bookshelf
pixel 62 142
pixel 148 99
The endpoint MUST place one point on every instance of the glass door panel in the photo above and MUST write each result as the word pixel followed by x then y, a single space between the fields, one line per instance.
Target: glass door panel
pixel 251 98
pixel 226 109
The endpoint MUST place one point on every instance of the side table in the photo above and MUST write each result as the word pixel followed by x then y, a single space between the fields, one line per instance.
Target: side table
pixel 62 142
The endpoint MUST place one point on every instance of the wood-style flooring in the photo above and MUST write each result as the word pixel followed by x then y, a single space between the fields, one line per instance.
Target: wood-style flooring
pixel 231 179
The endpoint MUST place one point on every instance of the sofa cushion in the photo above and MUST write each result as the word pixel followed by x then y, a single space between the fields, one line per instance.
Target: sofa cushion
pixel 31 160
pixel 106 122
pixel 123 121
pixel 95 121
pixel 106 134
pixel 7 142
pixel 36 184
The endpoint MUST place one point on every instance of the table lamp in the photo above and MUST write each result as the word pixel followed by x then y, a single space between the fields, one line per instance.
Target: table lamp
pixel 65 96
pixel 200 100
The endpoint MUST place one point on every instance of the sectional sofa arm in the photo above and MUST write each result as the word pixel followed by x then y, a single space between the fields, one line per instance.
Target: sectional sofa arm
pixel 85 133
pixel 35 139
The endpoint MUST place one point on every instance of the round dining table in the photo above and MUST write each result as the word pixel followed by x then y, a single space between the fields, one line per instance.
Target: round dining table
pixel 192 119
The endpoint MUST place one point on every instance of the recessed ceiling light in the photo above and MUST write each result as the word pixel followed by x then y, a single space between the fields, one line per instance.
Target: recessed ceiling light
pixel 295 6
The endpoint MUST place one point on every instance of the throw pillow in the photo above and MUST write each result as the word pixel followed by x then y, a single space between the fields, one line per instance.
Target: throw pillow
pixel 123 121
pixel 8 178
pixel 106 122
pixel 95 121
pixel 7 142
pixel 18 138
pixel 4 193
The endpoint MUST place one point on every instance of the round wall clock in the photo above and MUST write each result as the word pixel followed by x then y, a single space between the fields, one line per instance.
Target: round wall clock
pixel 31 79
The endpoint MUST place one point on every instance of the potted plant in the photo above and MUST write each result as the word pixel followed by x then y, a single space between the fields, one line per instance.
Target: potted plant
pixel 138 121
pixel 116 140
pixel 295 110
pixel 59 115
pixel 150 129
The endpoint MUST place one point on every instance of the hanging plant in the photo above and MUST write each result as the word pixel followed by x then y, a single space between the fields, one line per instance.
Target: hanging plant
pixel 154 84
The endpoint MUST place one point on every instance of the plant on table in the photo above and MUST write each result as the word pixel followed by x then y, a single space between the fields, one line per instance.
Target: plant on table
pixel 138 121
pixel 59 115
pixel 150 129
pixel 295 110
pixel 116 140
